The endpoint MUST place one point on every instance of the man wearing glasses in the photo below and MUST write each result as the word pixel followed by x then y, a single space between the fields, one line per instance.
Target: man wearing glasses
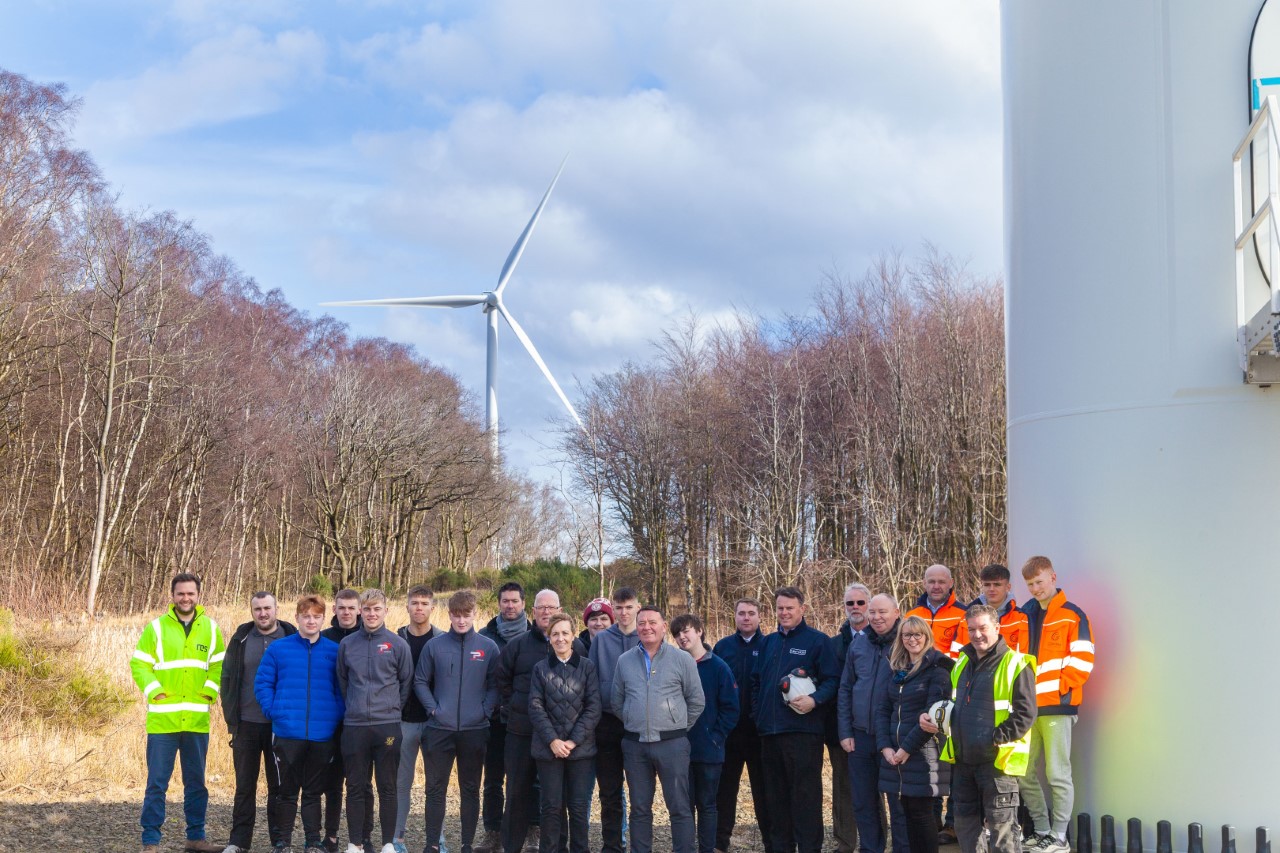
pixel 515 672
pixel 863 683
pixel 843 825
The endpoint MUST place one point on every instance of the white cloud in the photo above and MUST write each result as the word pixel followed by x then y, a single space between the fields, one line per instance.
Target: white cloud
pixel 240 74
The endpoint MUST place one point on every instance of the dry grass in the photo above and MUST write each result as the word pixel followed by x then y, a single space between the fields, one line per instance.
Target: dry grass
pixel 50 761
pixel 52 758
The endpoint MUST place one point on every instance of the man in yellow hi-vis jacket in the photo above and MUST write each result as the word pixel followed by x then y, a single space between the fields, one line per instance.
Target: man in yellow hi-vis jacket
pixel 177 666
pixel 994 693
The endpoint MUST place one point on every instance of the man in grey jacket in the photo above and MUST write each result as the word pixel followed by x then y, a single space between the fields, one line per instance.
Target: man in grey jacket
pixel 606 648
pixel 658 694
pixel 456 682
pixel 375 672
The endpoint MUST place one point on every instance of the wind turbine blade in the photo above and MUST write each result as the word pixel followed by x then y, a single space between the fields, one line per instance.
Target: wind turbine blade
pixel 518 249
pixel 542 365
pixel 427 301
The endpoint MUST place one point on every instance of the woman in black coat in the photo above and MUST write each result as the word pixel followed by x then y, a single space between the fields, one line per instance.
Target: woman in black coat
pixel 909 764
pixel 564 709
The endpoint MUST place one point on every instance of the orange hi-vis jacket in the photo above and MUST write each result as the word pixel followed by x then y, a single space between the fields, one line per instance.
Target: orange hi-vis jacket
pixel 1062 643
pixel 1013 625
pixel 950 633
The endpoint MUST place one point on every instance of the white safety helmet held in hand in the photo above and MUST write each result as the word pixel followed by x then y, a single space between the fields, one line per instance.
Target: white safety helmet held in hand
pixel 940 713
pixel 795 684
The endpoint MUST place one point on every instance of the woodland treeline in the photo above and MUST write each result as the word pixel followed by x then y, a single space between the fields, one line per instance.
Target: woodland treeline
pixel 161 412
pixel 864 440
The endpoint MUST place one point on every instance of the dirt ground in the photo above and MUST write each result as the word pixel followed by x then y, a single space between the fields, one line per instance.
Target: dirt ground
pixel 112 827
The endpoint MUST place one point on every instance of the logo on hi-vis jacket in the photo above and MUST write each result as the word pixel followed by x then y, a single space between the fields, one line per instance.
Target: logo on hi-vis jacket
pixel 384 648
pixel 477 654
pixel 201 647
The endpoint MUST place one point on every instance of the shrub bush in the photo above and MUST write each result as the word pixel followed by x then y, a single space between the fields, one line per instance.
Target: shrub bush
pixel 576 585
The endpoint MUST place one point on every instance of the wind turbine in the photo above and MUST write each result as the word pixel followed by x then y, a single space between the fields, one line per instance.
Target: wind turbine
pixel 493 306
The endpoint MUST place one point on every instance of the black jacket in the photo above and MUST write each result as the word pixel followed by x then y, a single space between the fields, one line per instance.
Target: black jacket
pixel 898 727
pixel 564 704
pixel 336 632
pixel 974 734
pixel 233 668
pixel 741 656
pixel 515 671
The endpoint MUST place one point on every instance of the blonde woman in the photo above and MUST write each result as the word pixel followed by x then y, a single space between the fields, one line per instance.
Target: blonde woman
pixel 909 765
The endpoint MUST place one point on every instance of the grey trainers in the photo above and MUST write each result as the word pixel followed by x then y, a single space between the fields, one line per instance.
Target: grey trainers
pixel 532 840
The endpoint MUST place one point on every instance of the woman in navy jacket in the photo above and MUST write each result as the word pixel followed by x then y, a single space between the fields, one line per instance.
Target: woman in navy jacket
pixel 909 764
pixel 564 710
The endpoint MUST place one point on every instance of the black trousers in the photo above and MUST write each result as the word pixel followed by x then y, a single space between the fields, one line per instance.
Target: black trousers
pixel 494 772
pixel 250 751
pixel 440 749
pixel 521 801
pixel 333 795
pixel 301 766
pixel 742 749
pixel 369 753
pixel 609 778
pixel 922 825
pixel 794 787
pixel 565 785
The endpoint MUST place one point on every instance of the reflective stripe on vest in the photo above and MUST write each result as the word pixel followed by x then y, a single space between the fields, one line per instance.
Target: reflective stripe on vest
pixel 1011 758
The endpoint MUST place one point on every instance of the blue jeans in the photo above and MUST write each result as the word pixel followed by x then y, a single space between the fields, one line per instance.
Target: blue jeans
pixel 704 784
pixel 161 749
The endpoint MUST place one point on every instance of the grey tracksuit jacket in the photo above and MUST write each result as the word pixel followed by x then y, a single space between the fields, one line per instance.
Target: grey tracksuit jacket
pixel 375 672
pixel 455 681
pixel 659 704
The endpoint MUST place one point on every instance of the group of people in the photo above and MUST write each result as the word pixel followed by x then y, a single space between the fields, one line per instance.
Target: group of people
pixel 945 702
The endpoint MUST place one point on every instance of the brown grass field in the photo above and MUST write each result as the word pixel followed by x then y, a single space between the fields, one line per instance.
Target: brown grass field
pixel 66 788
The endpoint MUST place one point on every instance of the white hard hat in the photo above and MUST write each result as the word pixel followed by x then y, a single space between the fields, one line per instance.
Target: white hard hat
pixel 940 713
pixel 795 684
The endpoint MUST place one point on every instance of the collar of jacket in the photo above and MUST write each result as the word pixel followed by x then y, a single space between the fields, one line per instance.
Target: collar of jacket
pixel 333 623
pixel 432 633
pixel 195 614
pixel 887 637
pixel 997 652
pixel 461 638
pixel 244 628
pixel 932 658
pixel 799 627
pixel 923 601
pixel 1059 599
pixel 574 658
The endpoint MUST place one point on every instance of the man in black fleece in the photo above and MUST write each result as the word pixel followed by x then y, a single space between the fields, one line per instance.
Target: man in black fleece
pixel 990 741
pixel 515 670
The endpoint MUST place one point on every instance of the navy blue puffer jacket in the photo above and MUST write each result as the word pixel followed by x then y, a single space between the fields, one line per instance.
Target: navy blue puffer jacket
pixel 898 727
pixel 297 687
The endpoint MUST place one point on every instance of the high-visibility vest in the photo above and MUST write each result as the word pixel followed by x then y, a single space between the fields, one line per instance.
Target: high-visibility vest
pixel 1011 758
pixel 185 666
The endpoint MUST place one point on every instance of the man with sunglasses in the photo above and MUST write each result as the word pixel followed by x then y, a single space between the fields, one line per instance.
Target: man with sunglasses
pixel 843 825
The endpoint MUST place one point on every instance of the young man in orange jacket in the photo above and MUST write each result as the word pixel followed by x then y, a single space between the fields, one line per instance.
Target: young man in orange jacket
pixel 997 593
pixel 1062 643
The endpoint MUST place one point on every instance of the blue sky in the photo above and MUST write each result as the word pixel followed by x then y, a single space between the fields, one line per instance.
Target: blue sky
pixel 722 156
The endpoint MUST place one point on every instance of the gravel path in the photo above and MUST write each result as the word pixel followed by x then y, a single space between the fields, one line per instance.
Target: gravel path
pixel 112 827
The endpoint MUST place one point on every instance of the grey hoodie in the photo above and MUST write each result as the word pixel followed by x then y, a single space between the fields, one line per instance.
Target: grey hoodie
pixel 606 648
pixel 455 681
pixel 375 672
pixel 661 702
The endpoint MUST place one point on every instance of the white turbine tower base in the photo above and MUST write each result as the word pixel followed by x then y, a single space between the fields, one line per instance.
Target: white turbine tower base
pixel 493 306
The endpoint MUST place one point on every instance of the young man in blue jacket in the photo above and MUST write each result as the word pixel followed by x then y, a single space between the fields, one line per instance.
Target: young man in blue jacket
pixel 709 734
pixel 791 736
pixel 456 683
pixel 297 688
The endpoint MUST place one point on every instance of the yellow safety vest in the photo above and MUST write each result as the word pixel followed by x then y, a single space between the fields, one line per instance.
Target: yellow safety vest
pixel 1012 757
pixel 185 667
